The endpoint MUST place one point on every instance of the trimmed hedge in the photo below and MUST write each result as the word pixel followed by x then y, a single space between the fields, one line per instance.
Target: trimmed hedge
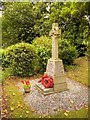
pixel 22 58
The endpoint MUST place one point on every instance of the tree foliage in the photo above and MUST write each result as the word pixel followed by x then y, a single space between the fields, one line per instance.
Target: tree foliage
pixel 24 21
pixel 18 23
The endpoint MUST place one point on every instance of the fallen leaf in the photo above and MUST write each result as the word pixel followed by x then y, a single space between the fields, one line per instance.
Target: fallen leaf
pixel 13 94
pixel 71 101
pixel 67 111
pixel 33 110
pixel 5 111
pixel 19 105
pixel 86 106
pixel 27 112
pixel 20 116
pixel 49 117
pixel 40 116
pixel 16 106
pixel 11 108
pixel 4 116
pixel 65 114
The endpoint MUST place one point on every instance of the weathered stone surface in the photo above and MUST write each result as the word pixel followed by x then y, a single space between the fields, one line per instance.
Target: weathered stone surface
pixel 55 33
pixel 60 87
pixel 44 90
pixel 60 79
pixel 55 68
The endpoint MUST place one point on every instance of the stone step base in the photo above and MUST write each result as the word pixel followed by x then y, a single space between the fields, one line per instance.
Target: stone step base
pixel 43 90
pixel 47 91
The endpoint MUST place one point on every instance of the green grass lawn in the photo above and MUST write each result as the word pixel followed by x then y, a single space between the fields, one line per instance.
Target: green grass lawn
pixel 18 109
pixel 79 71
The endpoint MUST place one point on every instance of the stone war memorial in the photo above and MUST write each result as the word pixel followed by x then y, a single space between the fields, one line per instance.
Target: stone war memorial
pixel 55 67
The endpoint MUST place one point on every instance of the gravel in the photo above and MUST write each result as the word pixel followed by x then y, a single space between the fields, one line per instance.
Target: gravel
pixel 75 98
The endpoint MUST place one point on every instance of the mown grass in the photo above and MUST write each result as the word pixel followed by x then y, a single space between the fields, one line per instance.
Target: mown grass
pixel 82 113
pixel 18 109
pixel 79 71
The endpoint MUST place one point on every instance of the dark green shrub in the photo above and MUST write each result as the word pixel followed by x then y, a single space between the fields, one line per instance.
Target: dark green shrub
pixel 82 48
pixel 22 58
pixel 67 52
pixel 43 48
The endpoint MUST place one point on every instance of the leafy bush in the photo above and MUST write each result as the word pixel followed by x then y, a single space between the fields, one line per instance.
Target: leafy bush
pixel 67 52
pixel 43 54
pixel 42 41
pixel 43 48
pixel 82 48
pixel 22 58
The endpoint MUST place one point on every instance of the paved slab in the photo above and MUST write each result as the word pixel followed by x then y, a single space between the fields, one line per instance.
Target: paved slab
pixel 73 99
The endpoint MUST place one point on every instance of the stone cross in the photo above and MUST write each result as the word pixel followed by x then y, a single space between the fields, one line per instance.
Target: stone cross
pixel 54 33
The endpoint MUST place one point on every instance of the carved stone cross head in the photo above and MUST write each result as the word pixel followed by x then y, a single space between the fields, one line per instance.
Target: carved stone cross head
pixel 55 30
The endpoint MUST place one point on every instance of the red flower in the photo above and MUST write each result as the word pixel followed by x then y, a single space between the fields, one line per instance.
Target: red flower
pixel 47 81
pixel 27 82
pixel 45 76
pixel 22 81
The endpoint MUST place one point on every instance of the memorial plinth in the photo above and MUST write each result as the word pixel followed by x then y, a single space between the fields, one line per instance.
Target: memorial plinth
pixel 55 67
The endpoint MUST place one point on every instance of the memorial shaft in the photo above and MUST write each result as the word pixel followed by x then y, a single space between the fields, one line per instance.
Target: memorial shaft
pixel 55 33
pixel 54 47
